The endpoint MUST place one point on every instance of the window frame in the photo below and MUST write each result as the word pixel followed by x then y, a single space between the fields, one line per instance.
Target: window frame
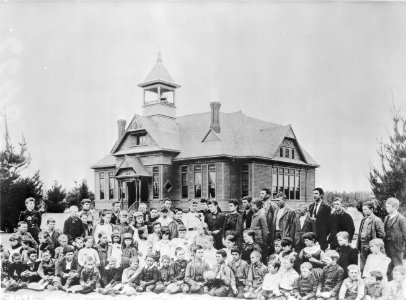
pixel 184 172
pixel 196 172
pixel 102 186
pixel 156 171
pixel 245 170
pixel 209 179
pixel 111 184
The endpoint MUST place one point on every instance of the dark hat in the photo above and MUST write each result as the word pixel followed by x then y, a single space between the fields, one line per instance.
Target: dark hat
pixel 85 201
pixel 127 236
pixel 164 209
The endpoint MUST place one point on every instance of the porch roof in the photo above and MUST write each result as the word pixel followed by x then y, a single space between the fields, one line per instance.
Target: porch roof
pixel 135 164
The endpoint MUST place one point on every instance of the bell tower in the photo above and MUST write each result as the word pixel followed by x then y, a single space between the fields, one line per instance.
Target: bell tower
pixel 159 92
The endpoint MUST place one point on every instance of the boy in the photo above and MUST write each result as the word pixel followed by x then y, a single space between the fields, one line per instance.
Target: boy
pixel 22 232
pixel 194 272
pixel 88 278
pixel 348 255
pixel 278 246
pixel 15 270
pixel 353 287
pixel 128 279
pixel 374 288
pixel 78 245
pixel 5 269
pixel 16 247
pixel 302 224
pixel 305 286
pixel 331 277
pixel 26 245
pixel 166 275
pixel 229 243
pixel 30 273
pixel 123 226
pixel 53 233
pixel 240 268
pixel 395 289
pixel 148 276
pixel 31 217
pixel 66 270
pixel 45 242
pixel 111 277
pixel 63 242
pixel 287 276
pixel 209 255
pixel 178 269
pixel 46 269
pixel 88 251
pixel 256 273
pixel 270 286
pixel 224 276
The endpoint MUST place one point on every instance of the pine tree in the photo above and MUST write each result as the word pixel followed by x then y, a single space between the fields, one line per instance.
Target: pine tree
pixel 55 197
pixel 389 179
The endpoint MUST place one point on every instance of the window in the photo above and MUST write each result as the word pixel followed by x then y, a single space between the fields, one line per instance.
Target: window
pixel 101 180
pixel 155 182
pixel 111 185
pixel 183 170
pixel 212 180
pixel 245 180
pixel 122 190
pixel 198 181
pixel 274 181
pixel 140 140
pixel 287 181
pixel 281 152
pixel 287 152
pixel 293 154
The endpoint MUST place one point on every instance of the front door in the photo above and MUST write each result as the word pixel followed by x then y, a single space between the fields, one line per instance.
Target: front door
pixel 131 192
pixel 144 189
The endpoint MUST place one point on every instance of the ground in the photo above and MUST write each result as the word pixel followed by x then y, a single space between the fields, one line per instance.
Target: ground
pixel 59 295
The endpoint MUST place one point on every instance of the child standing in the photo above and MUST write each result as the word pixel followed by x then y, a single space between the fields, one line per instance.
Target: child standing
pixel 331 277
pixel 348 255
pixel 256 274
pixel 240 268
pixel 353 287
pixel 249 245
pixel 305 286
pixel 377 260
pixel 271 280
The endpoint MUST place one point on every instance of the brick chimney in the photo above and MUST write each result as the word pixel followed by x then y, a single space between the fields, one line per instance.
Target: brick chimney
pixel 121 128
pixel 215 116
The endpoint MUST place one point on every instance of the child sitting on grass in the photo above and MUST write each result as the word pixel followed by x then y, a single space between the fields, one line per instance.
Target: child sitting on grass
pixel 331 277
pixel 63 242
pixel 166 275
pixel 46 269
pixel 353 287
pixel 178 269
pixel 305 286
pixel 271 282
pixel 395 289
pixel 88 278
pixel 256 274
pixel 110 278
pixel 374 286
pixel 15 270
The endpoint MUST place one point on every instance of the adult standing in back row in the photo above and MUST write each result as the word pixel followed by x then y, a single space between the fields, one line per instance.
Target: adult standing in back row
pixel 339 221
pixel 320 212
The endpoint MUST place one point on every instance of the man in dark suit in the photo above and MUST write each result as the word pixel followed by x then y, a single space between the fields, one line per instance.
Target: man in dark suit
pixel 395 234
pixel 320 212
pixel 339 221
pixel 215 221
pixel 270 210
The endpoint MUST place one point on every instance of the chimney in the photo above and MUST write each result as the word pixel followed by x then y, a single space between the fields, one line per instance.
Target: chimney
pixel 121 128
pixel 215 116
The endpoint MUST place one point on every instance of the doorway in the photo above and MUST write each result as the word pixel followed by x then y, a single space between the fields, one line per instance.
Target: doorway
pixel 131 192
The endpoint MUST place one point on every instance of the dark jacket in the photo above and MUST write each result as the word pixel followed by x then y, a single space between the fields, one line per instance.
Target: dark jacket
pixel 331 279
pixel 270 217
pixel 73 228
pixel 233 224
pixel 165 275
pixel 111 276
pixel 395 230
pixel 309 225
pixel 286 223
pixel 340 222
pixel 15 270
pixel 215 222
pixel 178 269
pixel 322 222
pixel 348 256
pixel 375 229
pixel 260 227
pixel 247 217
pixel 33 219
pixel 89 277
pixel 149 276
pixel 54 237
pixel 47 268
pixel 173 228
pixel 61 267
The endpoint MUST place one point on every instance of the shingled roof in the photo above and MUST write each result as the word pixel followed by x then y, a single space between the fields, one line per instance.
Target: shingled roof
pixel 159 74
pixel 190 137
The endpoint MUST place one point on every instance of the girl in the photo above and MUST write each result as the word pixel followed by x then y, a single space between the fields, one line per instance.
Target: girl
pixel 115 248
pixel 102 249
pixel 377 260
pixel 87 252
pixel 129 250
pixel 162 247
pixel 312 253
pixel 249 245
pixel 104 225
pixel 45 242
pixel 16 247
pixel 155 236
pixel 144 247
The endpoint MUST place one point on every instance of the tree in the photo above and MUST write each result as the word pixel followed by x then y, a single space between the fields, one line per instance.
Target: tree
pixel 55 197
pixel 78 193
pixel 14 189
pixel 389 178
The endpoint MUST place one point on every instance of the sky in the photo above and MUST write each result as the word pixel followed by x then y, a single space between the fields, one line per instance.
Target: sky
pixel 334 71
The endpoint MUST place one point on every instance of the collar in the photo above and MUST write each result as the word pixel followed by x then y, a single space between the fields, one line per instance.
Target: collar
pixel 341 212
pixel 319 202
pixel 392 215
pixel 237 263
pixel 257 264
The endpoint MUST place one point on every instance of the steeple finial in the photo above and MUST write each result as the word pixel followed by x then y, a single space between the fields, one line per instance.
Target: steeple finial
pixel 159 59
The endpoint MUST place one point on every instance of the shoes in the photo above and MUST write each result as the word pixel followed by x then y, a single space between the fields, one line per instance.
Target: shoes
pixel 111 293
pixel 52 288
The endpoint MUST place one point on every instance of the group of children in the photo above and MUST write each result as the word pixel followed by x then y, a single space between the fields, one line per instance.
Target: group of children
pixel 129 263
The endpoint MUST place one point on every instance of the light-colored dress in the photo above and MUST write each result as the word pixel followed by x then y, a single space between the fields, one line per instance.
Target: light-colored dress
pixel 106 228
pixel 376 262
